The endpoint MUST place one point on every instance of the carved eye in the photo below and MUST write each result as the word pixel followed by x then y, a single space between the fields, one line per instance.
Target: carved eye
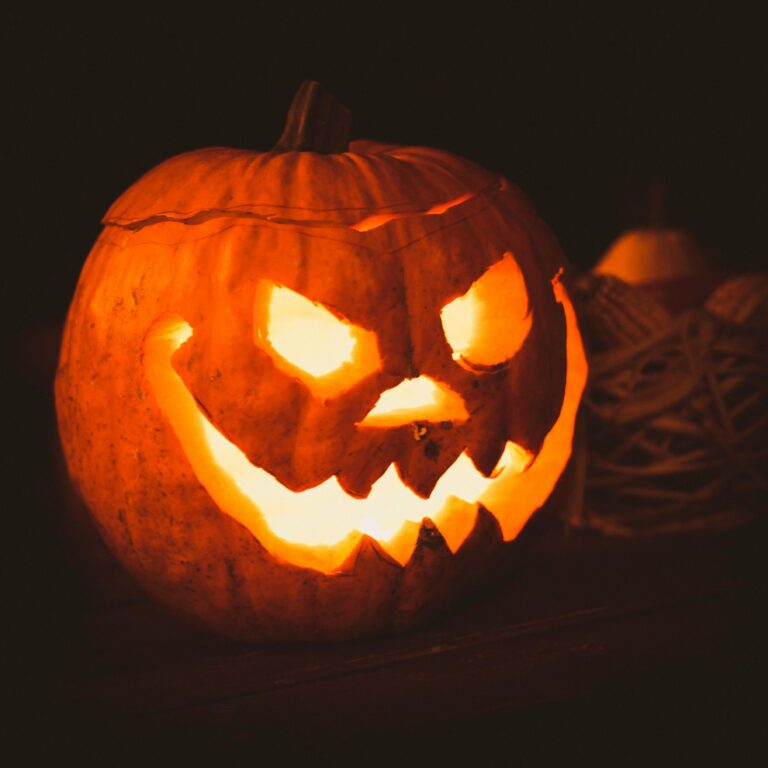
pixel 488 324
pixel 311 343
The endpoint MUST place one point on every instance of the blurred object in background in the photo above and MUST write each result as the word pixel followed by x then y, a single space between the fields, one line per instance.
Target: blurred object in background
pixel 668 264
pixel 661 257
pixel 676 408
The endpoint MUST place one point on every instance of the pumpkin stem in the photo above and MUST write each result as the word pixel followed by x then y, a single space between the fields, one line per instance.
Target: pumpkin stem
pixel 317 122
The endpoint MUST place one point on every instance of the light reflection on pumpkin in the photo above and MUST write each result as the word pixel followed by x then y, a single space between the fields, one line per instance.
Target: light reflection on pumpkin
pixel 379 219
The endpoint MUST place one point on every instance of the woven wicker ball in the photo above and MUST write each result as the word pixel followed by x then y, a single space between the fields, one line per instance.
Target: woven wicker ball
pixel 675 415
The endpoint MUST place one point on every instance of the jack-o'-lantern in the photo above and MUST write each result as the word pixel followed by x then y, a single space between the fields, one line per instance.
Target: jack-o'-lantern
pixel 310 393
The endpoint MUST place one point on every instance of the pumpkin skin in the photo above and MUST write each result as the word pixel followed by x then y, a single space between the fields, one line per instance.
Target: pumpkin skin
pixel 383 237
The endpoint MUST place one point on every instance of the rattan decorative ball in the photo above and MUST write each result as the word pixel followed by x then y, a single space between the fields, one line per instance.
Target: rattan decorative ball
pixel 675 412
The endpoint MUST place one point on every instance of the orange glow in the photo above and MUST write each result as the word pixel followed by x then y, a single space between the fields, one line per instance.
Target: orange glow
pixel 421 399
pixel 489 323
pixel 310 343
pixel 295 321
pixel 318 528
pixel 379 219
pixel 512 499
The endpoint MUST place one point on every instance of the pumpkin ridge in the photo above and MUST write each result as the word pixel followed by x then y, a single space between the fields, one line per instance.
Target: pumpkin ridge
pixel 208 214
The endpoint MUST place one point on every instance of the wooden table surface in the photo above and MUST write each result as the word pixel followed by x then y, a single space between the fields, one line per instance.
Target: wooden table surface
pixel 586 644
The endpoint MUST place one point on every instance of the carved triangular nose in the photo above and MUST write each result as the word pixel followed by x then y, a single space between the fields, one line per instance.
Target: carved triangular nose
pixel 420 399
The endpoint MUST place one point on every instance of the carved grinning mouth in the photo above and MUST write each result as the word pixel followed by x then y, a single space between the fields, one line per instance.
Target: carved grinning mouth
pixel 320 527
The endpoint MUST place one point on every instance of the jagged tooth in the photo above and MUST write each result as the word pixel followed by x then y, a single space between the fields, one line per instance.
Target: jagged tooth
pixel 434 578
pixel 485 535
pixel 355 485
pixel 485 454
pixel 367 560
pixel 423 588
pixel 421 485
pixel 400 547
pixel 365 463
pixel 431 551
pixel 430 537
pixel 456 522
pixel 421 467
pixel 359 599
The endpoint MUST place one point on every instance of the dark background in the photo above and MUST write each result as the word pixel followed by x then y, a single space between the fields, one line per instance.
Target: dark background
pixel 583 108
pixel 580 107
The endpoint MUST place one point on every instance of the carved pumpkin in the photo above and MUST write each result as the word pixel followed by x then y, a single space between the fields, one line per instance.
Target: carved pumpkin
pixel 311 395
